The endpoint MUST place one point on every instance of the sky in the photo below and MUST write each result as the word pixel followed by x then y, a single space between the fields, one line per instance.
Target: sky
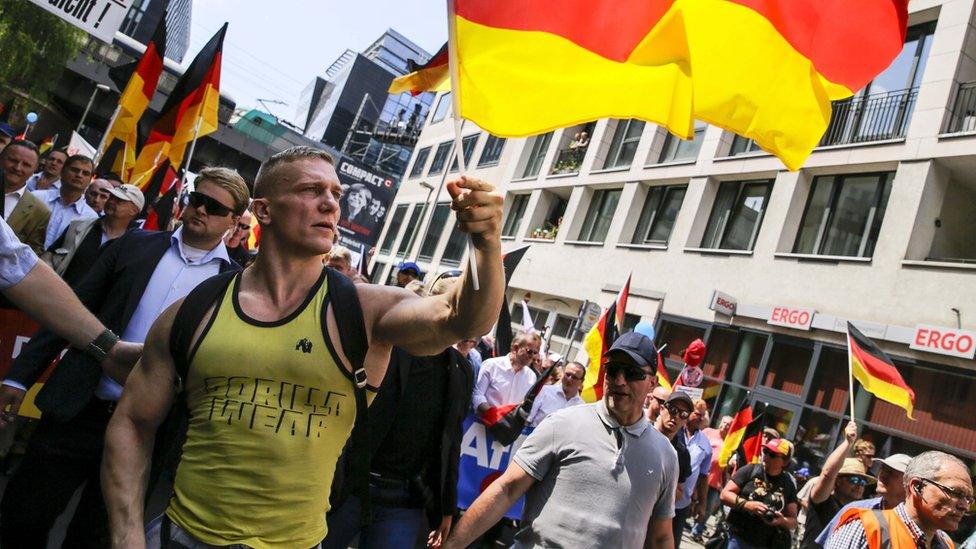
pixel 274 49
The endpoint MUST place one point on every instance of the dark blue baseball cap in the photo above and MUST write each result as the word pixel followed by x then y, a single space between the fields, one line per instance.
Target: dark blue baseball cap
pixel 7 129
pixel 638 347
pixel 409 266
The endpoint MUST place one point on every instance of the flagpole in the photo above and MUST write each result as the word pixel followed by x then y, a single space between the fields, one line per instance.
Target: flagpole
pixel 193 147
pixel 850 372
pixel 108 129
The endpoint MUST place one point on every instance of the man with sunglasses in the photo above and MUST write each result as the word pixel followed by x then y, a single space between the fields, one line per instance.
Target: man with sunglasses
pixel 672 417
pixel 655 401
pixel 599 467
pixel 127 287
pixel 939 492
pixel 558 396
pixel 841 481
pixel 763 500
pixel 237 237
pixel 505 379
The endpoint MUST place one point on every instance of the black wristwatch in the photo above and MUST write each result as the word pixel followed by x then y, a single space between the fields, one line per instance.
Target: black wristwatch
pixel 99 347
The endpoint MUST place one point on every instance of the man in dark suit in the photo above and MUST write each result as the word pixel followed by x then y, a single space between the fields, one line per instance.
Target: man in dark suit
pixel 133 281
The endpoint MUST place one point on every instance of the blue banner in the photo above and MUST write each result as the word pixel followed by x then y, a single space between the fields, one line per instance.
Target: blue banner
pixel 482 461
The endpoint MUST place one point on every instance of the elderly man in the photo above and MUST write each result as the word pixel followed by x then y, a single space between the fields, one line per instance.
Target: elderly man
pixel 890 490
pixel 556 397
pixel 96 195
pixel 655 401
pixel 50 174
pixel 940 492
pixel 506 379
pixel 600 468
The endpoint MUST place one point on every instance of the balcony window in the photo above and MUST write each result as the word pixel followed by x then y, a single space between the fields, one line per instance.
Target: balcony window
pixel 624 143
pixel 737 215
pixel 492 151
pixel 433 237
pixel 538 147
pixel 963 116
pixel 572 149
pixel 596 225
pixel 843 215
pixel 419 161
pixel 953 240
pixel 408 235
pixel 443 106
pixel 550 226
pixel 515 213
pixel 393 229
pixel 743 145
pixel 658 214
pixel 454 250
pixel 677 149
pixel 467 144
pixel 440 158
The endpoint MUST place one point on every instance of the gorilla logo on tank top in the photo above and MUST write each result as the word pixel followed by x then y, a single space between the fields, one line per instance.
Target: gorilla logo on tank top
pixel 304 345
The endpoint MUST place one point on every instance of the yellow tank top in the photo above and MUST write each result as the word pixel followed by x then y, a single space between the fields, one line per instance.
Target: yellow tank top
pixel 270 411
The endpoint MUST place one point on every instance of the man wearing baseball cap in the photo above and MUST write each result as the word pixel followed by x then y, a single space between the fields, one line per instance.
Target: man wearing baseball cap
pixel 76 250
pixel 599 467
pixel 890 490
pixel 407 272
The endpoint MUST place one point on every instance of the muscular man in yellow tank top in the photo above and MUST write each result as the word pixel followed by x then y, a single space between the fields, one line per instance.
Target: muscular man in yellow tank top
pixel 270 399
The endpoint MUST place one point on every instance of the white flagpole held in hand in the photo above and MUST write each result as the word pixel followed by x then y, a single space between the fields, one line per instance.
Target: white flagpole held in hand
pixel 850 372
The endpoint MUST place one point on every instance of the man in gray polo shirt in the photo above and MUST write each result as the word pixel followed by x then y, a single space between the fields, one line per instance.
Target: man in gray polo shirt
pixel 600 468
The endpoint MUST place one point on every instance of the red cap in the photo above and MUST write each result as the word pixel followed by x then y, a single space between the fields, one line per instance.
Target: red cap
pixel 780 446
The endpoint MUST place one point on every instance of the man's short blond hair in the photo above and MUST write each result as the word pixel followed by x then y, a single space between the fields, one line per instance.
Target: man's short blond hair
pixel 230 181
pixel 862 446
pixel 267 177
pixel 341 253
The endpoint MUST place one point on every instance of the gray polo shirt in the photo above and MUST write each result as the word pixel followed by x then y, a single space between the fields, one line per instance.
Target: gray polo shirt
pixel 591 491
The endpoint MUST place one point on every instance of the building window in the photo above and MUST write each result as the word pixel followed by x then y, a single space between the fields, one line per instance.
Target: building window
pixel 454 250
pixel 564 326
pixel 442 107
pixel 467 144
pixel 419 161
pixel 658 214
pixel 377 273
pixel 537 153
pixel 492 151
pixel 550 225
pixel 624 143
pixel 787 367
pixel 596 225
pixel 440 158
pixel 743 145
pixel 677 149
pixel 538 316
pixel 843 215
pixel 408 235
pixel 433 237
pixel 393 229
pixel 515 213
pixel 737 215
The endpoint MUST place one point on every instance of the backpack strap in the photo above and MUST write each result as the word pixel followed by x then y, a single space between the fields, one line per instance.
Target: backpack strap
pixel 188 318
pixel 352 336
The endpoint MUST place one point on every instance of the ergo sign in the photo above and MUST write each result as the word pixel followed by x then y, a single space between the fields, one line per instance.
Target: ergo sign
pixel 944 341
pixel 722 303
pixel 791 317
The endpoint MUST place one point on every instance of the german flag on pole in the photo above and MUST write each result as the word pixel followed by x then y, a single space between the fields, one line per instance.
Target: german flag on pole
pixel 877 372
pixel 662 373
pixel 134 101
pixel 764 69
pixel 745 433
pixel 431 76
pixel 598 341
pixel 189 113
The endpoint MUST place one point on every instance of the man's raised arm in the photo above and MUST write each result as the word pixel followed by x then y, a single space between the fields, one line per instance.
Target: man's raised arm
pixel 425 326
pixel 148 396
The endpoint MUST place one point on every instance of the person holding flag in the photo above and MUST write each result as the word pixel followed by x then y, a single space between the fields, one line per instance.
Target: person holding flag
pixel 504 380
pixel 763 500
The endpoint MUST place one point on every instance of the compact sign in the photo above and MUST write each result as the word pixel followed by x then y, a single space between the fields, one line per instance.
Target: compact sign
pixel 722 303
pixel 791 317
pixel 99 18
pixel 944 341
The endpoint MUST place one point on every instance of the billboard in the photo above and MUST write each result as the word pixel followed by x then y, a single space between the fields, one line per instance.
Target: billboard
pixel 366 197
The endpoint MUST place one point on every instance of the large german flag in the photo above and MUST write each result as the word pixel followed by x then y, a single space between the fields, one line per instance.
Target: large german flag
pixel 189 113
pixel 599 340
pixel 876 371
pixel 765 69
pixel 133 103
pixel 434 75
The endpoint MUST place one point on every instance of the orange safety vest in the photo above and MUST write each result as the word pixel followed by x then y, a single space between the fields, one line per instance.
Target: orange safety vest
pixel 885 529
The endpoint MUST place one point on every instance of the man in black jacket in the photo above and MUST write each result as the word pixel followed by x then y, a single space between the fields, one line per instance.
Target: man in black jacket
pixel 415 444
pixel 133 281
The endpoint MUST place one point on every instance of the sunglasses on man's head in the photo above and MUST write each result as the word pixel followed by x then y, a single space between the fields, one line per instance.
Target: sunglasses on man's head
pixel 631 372
pixel 210 204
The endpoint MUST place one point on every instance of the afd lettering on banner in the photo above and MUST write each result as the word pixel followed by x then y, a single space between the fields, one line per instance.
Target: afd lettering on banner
pixel 482 461
pixel 99 18
pixel 16 329
pixel 366 197
pixel 791 317
pixel 944 341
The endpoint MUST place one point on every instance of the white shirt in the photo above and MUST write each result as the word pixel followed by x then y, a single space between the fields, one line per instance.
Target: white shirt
pixel 498 383
pixel 62 214
pixel 550 399
pixel 11 199
pixel 16 258
pixel 32 182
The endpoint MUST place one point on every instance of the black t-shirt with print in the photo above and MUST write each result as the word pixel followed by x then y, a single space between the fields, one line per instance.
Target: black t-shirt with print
pixel 755 485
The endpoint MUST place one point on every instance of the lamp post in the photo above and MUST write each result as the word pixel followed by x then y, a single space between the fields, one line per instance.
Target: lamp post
pixel 84 115
pixel 423 212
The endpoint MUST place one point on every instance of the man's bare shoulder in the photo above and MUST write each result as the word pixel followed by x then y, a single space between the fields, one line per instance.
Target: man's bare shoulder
pixel 376 299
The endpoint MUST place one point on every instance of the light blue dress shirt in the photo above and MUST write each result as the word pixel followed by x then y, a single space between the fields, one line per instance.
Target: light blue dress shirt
pixel 16 258
pixel 179 270
pixel 700 450
pixel 62 214
pixel 32 182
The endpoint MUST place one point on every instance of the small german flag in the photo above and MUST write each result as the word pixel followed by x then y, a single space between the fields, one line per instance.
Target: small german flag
pixel 745 433
pixel 47 144
pixel 434 75
pixel 662 373
pixel 877 372
pixel 599 340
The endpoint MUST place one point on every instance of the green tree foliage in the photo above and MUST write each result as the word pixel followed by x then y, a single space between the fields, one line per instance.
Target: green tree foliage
pixel 34 48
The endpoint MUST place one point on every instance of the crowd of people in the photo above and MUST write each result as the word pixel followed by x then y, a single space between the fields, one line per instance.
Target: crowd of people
pixel 275 398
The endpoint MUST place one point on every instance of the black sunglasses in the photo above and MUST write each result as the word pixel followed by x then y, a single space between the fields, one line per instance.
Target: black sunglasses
pixel 631 372
pixel 209 203
pixel 674 411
